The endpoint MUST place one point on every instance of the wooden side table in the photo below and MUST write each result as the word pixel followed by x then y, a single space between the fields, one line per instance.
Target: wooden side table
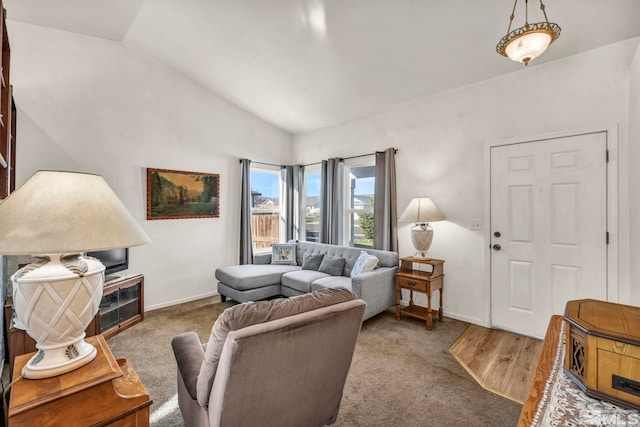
pixel 425 282
pixel 103 392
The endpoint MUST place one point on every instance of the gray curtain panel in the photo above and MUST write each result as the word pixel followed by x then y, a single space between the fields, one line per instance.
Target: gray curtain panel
pixel 331 201
pixel 246 240
pixel 293 178
pixel 385 211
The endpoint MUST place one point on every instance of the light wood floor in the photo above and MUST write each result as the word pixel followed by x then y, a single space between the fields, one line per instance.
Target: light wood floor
pixel 502 362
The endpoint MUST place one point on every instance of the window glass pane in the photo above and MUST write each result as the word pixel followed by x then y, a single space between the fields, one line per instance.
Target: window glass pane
pixel 359 208
pixel 312 206
pixel 265 208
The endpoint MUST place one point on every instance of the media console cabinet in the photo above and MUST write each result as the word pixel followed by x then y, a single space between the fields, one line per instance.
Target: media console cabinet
pixel 122 304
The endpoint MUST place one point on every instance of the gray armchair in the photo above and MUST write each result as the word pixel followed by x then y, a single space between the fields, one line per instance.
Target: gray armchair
pixel 282 362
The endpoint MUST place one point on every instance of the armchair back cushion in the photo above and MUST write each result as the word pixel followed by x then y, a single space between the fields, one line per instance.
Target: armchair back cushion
pixel 243 315
pixel 286 372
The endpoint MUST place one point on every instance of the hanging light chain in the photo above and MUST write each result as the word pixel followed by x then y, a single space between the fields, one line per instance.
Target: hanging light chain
pixel 513 15
pixel 544 12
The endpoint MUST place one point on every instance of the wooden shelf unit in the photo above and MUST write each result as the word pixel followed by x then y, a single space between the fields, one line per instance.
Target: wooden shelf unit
pixel 122 304
pixel 415 280
pixel 7 114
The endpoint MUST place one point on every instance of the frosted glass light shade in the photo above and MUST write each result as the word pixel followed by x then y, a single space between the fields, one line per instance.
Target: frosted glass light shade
pixel 526 43
pixel 528 46
pixel 58 212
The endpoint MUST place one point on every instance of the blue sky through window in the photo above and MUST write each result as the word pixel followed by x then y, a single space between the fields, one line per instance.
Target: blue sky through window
pixel 267 183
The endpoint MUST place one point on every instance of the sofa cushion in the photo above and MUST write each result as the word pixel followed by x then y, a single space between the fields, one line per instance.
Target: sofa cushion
pixel 283 253
pixel 301 280
pixel 332 265
pixel 251 276
pixel 312 261
pixel 243 315
pixel 331 282
pixel 385 258
pixel 364 263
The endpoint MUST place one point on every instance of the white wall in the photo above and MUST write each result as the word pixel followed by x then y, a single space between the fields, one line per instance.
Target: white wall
pixel 93 105
pixel 441 142
pixel 634 175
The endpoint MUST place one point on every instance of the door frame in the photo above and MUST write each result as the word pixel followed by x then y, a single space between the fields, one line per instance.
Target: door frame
pixel 615 228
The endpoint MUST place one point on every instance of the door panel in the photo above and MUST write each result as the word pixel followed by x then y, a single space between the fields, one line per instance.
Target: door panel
pixel 549 203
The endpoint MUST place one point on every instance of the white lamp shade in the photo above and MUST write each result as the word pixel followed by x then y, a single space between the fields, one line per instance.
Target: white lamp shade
pixel 421 210
pixel 57 212
pixel 528 46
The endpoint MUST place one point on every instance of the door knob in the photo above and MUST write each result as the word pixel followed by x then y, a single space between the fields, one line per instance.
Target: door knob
pixel 497 234
pixel 496 247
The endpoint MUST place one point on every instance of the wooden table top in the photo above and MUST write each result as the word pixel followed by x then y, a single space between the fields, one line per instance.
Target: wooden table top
pixel 543 369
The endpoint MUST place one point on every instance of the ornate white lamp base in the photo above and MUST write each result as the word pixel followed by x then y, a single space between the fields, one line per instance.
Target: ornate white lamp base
pixel 55 299
pixel 52 360
pixel 421 236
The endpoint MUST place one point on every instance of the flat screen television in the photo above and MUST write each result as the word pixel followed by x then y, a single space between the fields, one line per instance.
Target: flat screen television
pixel 114 260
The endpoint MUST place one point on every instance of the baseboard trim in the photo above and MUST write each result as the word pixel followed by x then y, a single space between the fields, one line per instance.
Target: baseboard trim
pixel 180 301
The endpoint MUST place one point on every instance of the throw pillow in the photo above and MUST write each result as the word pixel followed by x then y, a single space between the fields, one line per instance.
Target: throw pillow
pixel 332 265
pixel 252 313
pixel 283 253
pixel 312 261
pixel 365 262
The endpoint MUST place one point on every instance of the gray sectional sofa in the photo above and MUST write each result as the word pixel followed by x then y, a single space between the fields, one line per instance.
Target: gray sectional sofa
pixel 252 282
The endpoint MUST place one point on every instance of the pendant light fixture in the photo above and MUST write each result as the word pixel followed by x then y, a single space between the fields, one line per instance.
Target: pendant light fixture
pixel 526 43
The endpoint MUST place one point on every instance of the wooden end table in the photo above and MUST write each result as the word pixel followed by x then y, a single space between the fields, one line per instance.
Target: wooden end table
pixel 425 282
pixel 104 392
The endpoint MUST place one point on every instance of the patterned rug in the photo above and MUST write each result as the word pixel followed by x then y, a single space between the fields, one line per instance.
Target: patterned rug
pixel 564 404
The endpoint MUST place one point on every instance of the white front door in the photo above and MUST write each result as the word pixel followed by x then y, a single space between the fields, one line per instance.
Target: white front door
pixel 548 229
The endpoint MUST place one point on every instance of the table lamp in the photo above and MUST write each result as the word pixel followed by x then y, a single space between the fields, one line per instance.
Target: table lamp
pixel 421 211
pixel 57 217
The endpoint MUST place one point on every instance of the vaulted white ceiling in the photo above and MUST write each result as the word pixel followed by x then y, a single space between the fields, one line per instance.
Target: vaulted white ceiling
pixel 306 64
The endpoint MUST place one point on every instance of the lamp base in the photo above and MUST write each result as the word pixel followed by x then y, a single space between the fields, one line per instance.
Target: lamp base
pixel 421 255
pixel 55 298
pixel 421 237
pixel 57 359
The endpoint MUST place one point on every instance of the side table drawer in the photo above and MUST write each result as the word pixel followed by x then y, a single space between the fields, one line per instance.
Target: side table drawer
pixel 405 283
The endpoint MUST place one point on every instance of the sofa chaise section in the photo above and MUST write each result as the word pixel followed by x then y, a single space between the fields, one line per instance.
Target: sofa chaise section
pixel 253 282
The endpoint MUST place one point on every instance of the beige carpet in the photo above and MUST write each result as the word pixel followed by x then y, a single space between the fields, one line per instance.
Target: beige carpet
pixel 401 373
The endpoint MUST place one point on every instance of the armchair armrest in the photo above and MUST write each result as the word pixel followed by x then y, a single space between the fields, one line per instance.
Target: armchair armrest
pixel 189 356
pixel 376 288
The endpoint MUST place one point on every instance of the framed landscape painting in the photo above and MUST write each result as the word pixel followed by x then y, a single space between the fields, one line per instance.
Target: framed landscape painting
pixel 178 194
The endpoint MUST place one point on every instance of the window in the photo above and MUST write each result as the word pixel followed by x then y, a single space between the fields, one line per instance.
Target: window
pixel 312 205
pixel 359 193
pixel 267 221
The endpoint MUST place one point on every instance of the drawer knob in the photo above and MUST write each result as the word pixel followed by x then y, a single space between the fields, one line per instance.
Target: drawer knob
pixel 411 283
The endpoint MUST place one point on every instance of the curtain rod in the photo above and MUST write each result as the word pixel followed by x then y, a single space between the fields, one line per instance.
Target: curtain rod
pixel 395 150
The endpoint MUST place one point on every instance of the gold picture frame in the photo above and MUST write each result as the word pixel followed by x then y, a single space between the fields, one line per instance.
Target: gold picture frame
pixel 173 194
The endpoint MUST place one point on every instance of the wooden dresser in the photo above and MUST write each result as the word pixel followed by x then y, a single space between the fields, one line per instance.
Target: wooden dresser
pixel 105 392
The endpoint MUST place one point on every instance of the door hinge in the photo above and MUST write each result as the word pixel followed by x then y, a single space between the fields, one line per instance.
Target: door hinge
pixel 607 238
pixel 606 156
